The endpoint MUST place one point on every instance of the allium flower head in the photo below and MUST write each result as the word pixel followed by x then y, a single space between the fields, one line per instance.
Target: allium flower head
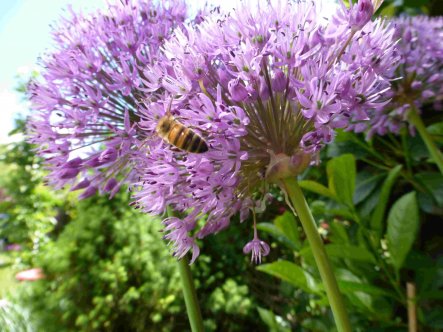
pixel 419 72
pixel 86 100
pixel 265 86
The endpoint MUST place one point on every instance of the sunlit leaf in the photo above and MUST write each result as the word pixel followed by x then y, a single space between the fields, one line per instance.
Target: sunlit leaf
pixel 347 251
pixel 403 221
pixel 341 178
pixel 317 188
pixel 292 274
pixel 288 226
pixel 379 213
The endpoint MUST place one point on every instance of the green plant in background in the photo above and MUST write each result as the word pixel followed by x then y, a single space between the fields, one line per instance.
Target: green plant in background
pixel 14 318
pixel 411 7
pixel 373 244
pixel 27 205
pixel 108 270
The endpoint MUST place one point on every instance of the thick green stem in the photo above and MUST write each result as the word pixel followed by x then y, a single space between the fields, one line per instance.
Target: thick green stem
pixel 297 200
pixel 435 153
pixel 192 306
pixel 189 293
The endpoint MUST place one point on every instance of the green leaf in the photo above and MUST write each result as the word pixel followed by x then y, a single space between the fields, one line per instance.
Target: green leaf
pixel 311 324
pixel 436 130
pixel 369 204
pixel 433 183
pixel 366 183
pixel 389 10
pixel 346 142
pixel 287 224
pixel 338 233
pixel 270 319
pixel 341 178
pixel 317 188
pixel 353 286
pixel 351 252
pixel 276 233
pixel 430 199
pixel 344 251
pixel 379 213
pixel 292 274
pixel 417 148
pixel 360 300
pixel 403 221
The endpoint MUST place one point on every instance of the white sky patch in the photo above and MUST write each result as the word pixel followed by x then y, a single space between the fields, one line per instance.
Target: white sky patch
pixel 24 35
pixel 10 104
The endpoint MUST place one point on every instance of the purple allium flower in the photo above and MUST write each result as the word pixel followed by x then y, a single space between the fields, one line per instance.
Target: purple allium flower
pixel 420 72
pixel 265 87
pixel 86 100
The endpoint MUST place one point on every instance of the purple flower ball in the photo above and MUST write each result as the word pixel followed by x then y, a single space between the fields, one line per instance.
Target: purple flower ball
pixel 419 75
pixel 265 87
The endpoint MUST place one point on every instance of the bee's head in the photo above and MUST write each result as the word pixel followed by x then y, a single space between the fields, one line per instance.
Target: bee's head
pixel 164 125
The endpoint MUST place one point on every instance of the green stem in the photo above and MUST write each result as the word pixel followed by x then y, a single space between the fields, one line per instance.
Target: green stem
pixel 192 306
pixel 295 198
pixel 435 153
pixel 189 293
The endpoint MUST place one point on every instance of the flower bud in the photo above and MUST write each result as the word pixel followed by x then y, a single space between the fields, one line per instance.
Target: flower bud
pixel 238 91
pixel 81 185
pixel 223 77
pixel 74 163
pixel 264 91
pixel 361 14
pixel 90 191
pixel 110 184
pixel 68 173
pixel 279 81
pixel 108 156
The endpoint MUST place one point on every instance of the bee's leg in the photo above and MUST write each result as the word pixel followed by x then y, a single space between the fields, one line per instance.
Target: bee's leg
pixel 174 148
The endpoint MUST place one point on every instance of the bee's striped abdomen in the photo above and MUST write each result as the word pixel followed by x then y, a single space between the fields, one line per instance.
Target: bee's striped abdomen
pixel 180 136
pixel 195 143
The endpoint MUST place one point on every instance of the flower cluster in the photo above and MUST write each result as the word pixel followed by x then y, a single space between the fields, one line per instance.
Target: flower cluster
pixel 419 74
pixel 265 87
pixel 86 100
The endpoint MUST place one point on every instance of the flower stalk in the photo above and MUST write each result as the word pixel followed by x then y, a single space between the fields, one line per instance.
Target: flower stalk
pixel 296 200
pixel 190 295
pixel 435 153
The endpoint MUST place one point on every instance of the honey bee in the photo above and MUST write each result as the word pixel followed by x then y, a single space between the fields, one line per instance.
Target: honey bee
pixel 177 134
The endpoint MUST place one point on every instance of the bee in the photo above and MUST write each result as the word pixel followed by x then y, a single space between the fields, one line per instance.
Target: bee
pixel 180 136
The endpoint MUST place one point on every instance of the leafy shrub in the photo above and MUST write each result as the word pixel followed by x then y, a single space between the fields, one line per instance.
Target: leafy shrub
pixel 108 271
pixel 29 210
pixel 14 318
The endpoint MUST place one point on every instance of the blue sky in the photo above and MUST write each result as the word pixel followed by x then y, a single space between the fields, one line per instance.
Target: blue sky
pixel 24 34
